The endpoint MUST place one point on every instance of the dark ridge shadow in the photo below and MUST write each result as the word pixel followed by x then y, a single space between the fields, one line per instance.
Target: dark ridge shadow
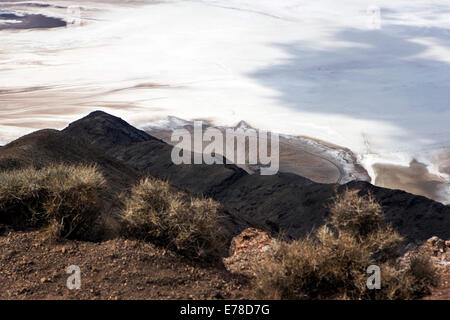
pixel 30 21
pixel 31 4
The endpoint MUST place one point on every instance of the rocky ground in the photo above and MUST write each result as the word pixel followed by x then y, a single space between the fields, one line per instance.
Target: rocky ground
pixel 127 269
pixel 248 250
pixel 115 269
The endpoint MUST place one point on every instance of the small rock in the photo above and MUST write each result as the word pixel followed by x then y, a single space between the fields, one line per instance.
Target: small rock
pixel 247 250
pixel 95 292
pixel 437 244
pixel 44 280
pixel 9 253
pixel 411 247
pixel 433 240
pixel 218 295
pixel 22 291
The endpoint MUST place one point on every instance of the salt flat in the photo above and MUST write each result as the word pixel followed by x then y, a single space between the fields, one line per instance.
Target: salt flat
pixel 326 69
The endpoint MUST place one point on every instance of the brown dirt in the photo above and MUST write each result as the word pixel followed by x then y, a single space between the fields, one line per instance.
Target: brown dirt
pixel 126 269
pixel 115 269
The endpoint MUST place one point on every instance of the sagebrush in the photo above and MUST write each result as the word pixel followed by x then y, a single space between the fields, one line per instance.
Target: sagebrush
pixel 170 218
pixel 61 199
pixel 332 262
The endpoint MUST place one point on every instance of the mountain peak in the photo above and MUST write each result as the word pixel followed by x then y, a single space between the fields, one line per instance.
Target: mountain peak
pixel 106 130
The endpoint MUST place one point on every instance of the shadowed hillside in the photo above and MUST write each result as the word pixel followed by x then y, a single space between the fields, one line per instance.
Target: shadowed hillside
pixel 48 147
pixel 148 154
pixel 44 147
pixel 284 202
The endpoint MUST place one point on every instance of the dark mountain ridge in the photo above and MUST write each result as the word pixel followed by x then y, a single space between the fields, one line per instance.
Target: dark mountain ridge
pixel 282 202
pixel 47 147
pixel 43 147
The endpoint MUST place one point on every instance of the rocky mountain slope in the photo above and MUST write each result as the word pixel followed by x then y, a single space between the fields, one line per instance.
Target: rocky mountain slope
pixel 286 202
pixel 46 147
pixel 283 202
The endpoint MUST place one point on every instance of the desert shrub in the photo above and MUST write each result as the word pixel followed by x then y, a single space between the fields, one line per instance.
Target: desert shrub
pixel 411 281
pixel 357 215
pixel 170 218
pixel 307 269
pixel 332 262
pixel 384 243
pixel 62 199
pixel 146 210
pixel 423 274
pixel 421 267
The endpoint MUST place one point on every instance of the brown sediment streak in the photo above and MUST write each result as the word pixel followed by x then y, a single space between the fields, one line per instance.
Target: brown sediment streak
pixel 23 90
pixel 415 179
pixel 34 124
pixel 143 86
